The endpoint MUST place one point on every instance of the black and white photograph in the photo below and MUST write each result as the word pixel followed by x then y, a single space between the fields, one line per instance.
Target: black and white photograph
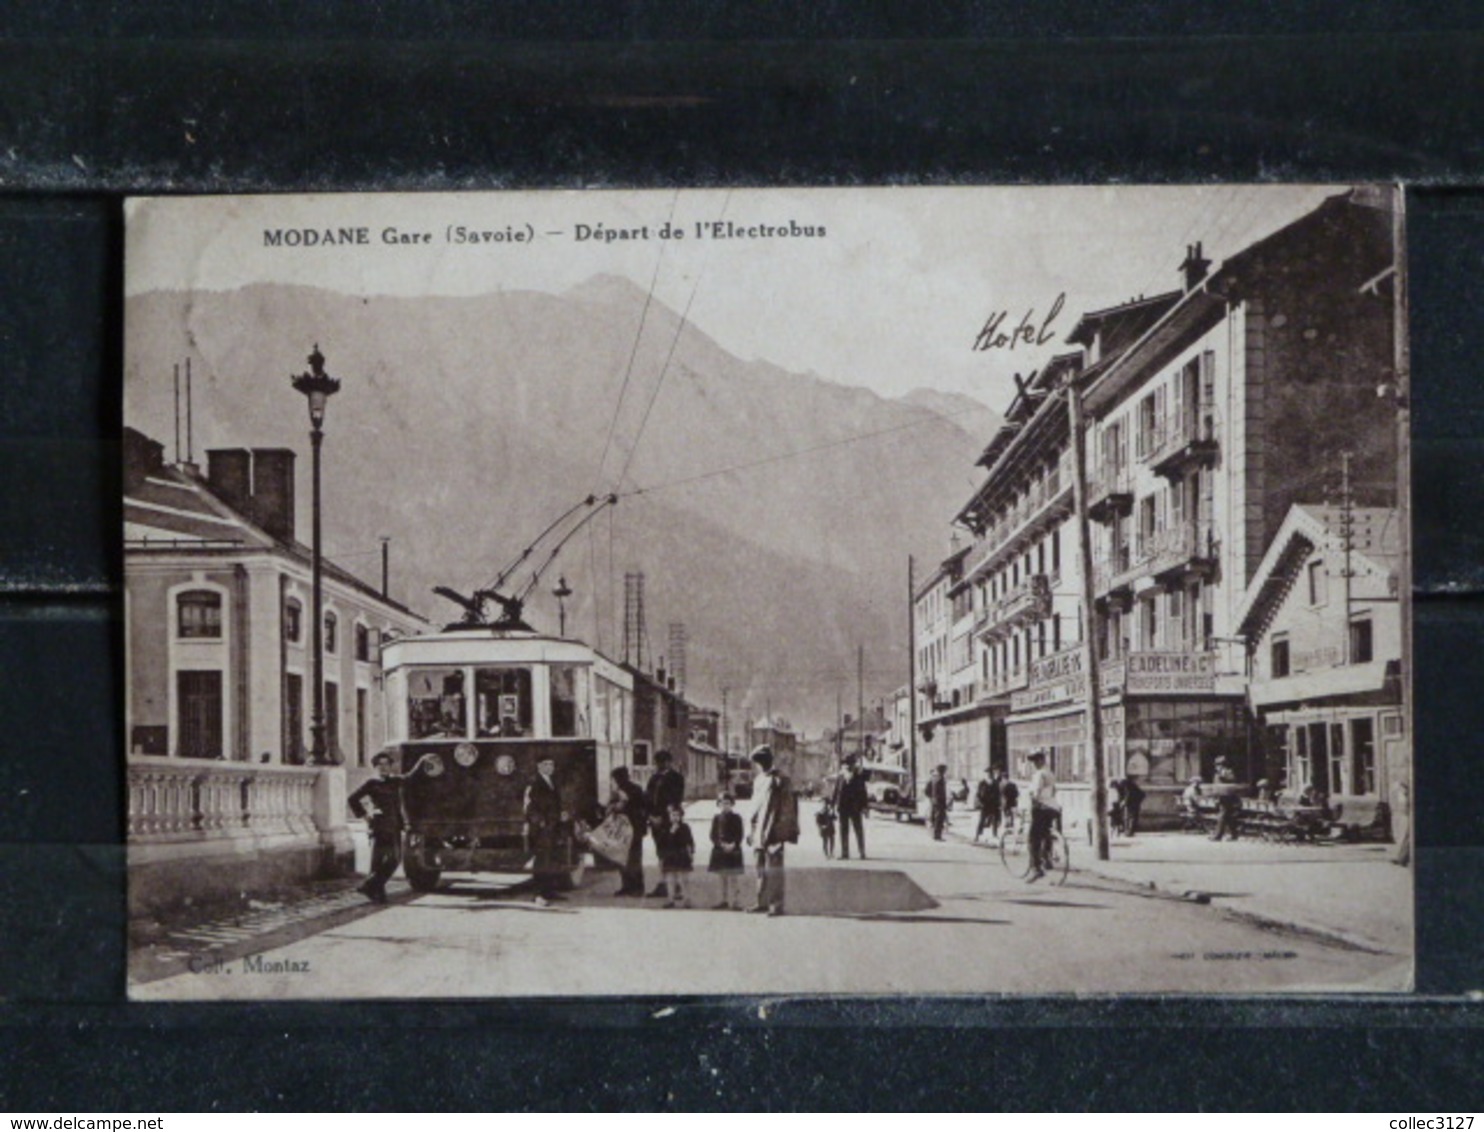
pixel 842 591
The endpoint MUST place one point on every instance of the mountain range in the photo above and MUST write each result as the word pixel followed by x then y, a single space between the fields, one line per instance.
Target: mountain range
pixel 772 512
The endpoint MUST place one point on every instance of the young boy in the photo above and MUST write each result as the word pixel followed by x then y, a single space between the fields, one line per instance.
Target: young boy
pixel 825 819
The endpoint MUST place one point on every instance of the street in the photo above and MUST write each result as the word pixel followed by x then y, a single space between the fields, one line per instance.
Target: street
pixel 917 917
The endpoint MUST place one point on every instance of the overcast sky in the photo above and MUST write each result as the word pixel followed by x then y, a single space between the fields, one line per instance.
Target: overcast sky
pixel 892 297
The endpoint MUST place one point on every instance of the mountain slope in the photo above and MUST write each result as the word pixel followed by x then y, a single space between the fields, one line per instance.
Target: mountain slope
pixel 771 511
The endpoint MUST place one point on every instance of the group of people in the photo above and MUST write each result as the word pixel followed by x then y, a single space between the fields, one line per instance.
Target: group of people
pixel 848 804
pixel 658 810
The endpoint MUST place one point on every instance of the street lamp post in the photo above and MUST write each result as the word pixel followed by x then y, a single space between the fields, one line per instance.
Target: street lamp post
pixel 562 592
pixel 317 387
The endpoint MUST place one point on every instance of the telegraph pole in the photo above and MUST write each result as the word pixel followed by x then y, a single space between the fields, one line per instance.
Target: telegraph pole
pixel 1094 680
pixel 860 691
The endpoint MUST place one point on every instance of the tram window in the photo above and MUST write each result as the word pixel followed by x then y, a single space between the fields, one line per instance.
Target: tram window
pixel 503 696
pixel 568 719
pixel 435 704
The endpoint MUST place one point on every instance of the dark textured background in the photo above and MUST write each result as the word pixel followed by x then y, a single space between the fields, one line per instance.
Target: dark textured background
pixel 98 100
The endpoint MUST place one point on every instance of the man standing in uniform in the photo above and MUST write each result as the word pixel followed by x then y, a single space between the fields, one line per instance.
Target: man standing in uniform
pixel 379 802
pixel 775 823
pixel 662 793
pixel 851 802
pixel 546 817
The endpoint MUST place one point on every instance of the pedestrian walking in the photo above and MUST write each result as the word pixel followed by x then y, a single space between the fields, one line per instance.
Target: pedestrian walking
pixel 775 825
pixel 726 851
pixel 850 802
pixel 665 788
pixel 937 795
pixel 1228 802
pixel 379 802
pixel 677 849
pixel 546 819
pixel 1133 805
pixel 1116 804
pixel 987 799
pixel 627 799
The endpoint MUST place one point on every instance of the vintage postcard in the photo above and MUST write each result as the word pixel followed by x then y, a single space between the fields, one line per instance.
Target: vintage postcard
pixel 845 591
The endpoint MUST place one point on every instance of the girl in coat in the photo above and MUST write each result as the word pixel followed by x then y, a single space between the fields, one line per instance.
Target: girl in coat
pixel 677 846
pixel 726 850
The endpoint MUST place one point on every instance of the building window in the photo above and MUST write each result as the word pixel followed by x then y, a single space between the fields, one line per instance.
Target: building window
pixel 293 621
pixel 1317 588
pixel 1362 649
pixel 331 622
pixel 199 614
pixel 641 752
pixel 363 642
pixel 1280 657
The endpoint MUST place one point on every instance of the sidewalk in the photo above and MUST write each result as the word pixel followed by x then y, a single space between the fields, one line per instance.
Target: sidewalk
pixel 1349 893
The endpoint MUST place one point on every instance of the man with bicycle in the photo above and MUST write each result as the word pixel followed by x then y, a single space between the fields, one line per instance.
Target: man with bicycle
pixel 1045 814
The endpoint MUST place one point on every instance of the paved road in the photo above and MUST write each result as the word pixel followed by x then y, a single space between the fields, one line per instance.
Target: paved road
pixel 918 917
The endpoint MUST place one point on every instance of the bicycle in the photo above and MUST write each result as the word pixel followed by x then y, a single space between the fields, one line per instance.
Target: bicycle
pixel 1016 857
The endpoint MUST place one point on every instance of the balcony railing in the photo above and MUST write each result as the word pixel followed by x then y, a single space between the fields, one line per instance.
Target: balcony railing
pixel 1109 490
pixel 1029 601
pixel 1046 499
pixel 1001 683
pixel 1176 439
pixel 1186 546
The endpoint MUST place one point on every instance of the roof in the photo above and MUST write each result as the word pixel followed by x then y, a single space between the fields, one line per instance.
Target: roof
pixel 1345 227
pixel 1375 550
pixel 170 509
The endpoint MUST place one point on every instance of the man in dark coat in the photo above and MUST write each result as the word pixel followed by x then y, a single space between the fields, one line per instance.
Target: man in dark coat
pixel 664 790
pixel 379 802
pixel 851 802
pixel 937 795
pixel 987 799
pixel 628 798
pixel 546 819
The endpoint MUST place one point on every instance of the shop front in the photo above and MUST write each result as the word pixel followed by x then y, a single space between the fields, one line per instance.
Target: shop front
pixel 1165 719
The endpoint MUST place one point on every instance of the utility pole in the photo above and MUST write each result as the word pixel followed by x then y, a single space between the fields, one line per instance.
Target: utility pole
pixel 860 691
pixel 1347 532
pixel 1094 681
pixel 911 679
pixel 1403 384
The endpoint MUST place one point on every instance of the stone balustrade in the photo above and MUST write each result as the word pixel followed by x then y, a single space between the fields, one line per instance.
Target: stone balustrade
pixel 184 799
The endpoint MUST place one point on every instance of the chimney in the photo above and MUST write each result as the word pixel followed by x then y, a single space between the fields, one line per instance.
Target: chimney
pixel 1195 267
pixel 273 491
pixel 229 475
pixel 142 457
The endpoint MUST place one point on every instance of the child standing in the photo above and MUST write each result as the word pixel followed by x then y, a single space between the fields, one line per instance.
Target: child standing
pixel 677 846
pixel 726 850
pixel 825 820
